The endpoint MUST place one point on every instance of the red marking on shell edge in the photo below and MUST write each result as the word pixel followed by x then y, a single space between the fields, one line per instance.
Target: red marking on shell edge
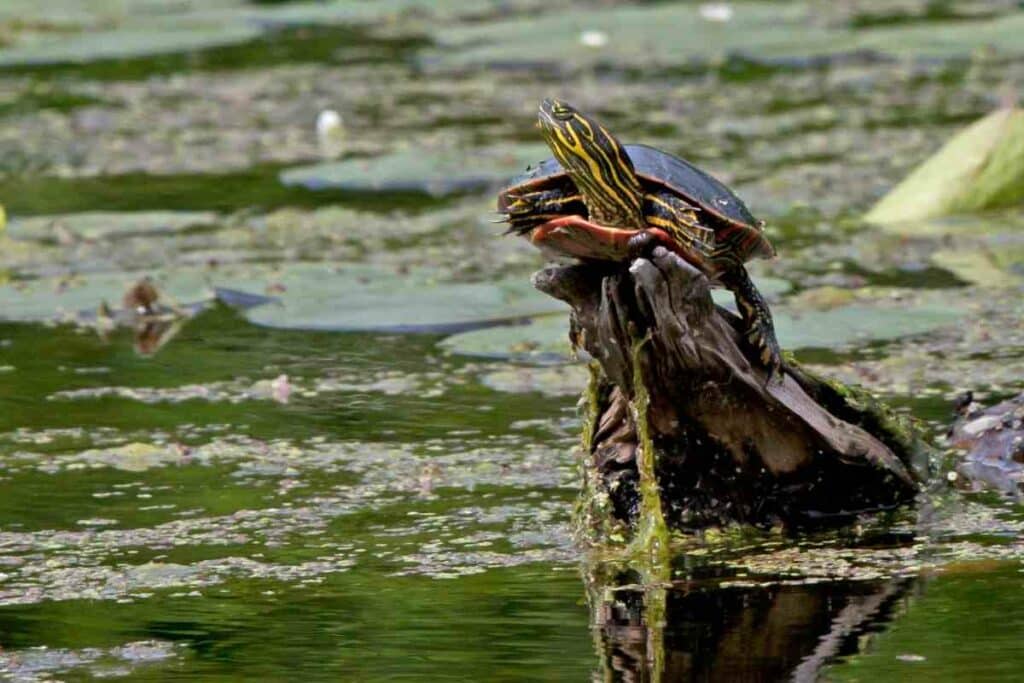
pixel 576 236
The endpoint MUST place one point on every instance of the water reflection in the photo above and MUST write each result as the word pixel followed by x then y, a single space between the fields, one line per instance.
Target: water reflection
pixel 711 631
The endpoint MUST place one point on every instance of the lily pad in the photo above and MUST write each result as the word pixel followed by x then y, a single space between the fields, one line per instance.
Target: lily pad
pixel 545 338
pixel 637 35
pixel 124 43
pixel 645 36
pixel 542 338
pixel 366 297
pixel 980 168
pixel 988 267
pixel 359 13
pixel 436 172
pixel 858 323
pixel 101 225
pixel 73 31
pixel 64 297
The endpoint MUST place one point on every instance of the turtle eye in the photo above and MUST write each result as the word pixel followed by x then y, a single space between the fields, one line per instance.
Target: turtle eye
pixel 562 112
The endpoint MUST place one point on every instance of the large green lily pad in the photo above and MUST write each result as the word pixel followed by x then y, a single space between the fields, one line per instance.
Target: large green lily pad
pixel 311 296
pixel 982 167
pixel 546 338
pixel 82 31
pixel 859 323
pixel 123 43
pixel 58 298
pixel 365 297
pixel 437 172
pixel 678 34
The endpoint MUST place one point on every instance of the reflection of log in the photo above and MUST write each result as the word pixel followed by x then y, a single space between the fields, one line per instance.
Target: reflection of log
pixel 727 444
pixel 749 633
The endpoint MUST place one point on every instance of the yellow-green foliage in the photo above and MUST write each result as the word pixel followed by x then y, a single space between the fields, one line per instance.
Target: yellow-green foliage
pixel 981 168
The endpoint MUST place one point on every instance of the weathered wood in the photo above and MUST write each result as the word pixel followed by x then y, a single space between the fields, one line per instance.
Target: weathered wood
pixel 727 443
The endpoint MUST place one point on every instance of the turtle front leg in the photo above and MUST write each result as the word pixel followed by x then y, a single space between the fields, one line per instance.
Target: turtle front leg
pixel 757 319
pixel 526 211
pixel 555 202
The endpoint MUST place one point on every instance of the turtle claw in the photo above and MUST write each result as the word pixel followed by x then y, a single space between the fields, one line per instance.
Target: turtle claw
pixel 757 321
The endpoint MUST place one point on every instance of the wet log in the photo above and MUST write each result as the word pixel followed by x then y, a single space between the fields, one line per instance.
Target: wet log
pixel 684 423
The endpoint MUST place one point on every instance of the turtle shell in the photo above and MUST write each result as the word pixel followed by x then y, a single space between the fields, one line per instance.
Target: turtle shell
pixel 659 171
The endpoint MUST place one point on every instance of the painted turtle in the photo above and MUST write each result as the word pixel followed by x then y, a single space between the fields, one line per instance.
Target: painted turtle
pixel 599 199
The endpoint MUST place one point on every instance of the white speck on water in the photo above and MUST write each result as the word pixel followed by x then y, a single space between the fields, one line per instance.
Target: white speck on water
pixel 593 38
pixel 716 11
pixel 330 132
pixel 328 124
pixel 911 658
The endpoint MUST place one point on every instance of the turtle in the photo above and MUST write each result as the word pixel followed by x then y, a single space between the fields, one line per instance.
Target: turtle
pixel 602 200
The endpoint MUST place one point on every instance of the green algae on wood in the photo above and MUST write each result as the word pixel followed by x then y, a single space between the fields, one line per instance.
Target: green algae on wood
pixel 652 538
pixel 980 168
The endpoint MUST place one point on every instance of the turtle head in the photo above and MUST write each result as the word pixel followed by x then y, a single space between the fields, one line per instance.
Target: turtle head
pixel 597 163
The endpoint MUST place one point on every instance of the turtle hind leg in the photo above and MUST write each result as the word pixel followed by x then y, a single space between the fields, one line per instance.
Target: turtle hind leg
pixel 757 320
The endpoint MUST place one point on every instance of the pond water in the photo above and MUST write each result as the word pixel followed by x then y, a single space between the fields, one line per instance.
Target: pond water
pixel 355 459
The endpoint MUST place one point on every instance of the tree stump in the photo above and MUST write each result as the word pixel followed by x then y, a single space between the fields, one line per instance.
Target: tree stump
pixel 684 428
